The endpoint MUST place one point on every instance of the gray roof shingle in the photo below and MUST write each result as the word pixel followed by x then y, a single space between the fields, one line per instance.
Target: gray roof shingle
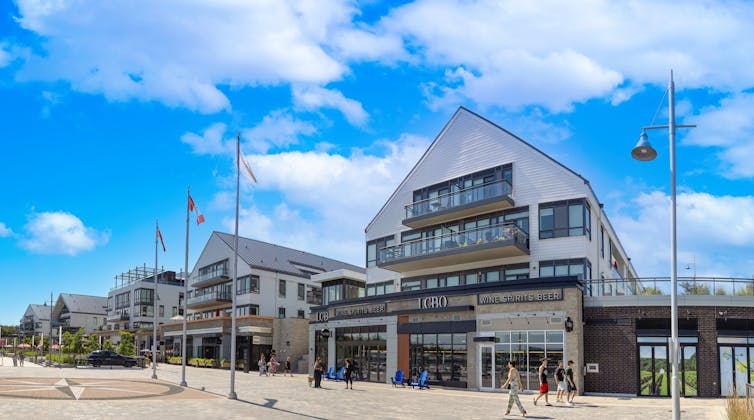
pixel 85 304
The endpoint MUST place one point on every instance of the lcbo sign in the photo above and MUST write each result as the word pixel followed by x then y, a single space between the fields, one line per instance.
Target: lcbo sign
pixel 433 302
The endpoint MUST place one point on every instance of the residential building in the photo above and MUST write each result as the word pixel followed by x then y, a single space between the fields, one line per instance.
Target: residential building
pixel 490 251
pixel 130 303
pixel 273 294
pixel 36 321
pixel 72 312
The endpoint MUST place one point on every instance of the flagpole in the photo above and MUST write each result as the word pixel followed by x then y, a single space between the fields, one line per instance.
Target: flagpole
pixel 154 305
pixel 185 292
pixel 232 395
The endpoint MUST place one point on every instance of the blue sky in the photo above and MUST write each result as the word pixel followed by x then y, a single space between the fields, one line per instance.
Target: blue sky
pixel 110 109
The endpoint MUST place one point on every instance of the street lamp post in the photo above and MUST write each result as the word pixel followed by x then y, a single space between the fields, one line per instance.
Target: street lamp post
pixel 644 152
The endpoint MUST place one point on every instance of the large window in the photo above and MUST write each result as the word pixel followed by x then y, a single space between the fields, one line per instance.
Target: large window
pixel 580 267
pixel 247 310
pixel 565 218
pixel 374 247
pixel 143 297
pixel 442 355
pixel 342 289
pixel 527 349
pixel 380 288
pixel 247 284
pixel 457 278
pixel 366 347
pixel 473 187
pixel 122 300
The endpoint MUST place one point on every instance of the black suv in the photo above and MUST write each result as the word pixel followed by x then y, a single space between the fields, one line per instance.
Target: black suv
pixel 107 357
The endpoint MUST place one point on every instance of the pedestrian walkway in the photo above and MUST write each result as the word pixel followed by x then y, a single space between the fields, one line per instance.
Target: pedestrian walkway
pixel 8 362
pixel 105 393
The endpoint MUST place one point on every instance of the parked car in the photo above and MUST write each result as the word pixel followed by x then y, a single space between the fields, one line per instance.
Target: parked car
pixel 107 357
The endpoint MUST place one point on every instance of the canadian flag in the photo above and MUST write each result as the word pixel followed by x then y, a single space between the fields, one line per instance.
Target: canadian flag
pixel 195 209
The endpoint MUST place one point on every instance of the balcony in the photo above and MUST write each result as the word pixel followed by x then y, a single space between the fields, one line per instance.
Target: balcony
pixel 118 317
pixel 498 241
pixel 209 299
pixel 217 276
pixel 655 291
pixel 458 204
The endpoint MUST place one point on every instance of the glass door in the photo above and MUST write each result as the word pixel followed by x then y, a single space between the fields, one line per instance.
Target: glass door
pixel 486 369
pixel 654 375
pixel 733 370
pixel 689 372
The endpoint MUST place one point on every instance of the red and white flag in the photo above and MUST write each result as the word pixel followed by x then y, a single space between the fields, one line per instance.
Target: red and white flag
pixel 193 207
pixel 159 235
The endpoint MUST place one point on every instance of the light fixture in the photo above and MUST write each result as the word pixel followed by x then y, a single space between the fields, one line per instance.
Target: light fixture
pixel 643 151
pixel 569 324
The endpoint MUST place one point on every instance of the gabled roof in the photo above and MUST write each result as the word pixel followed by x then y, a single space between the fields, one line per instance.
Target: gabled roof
pixel 42 312
pixel 267 256
pixel 83 304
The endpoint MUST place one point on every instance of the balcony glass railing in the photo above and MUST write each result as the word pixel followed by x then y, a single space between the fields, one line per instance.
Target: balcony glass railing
pixel 660 286
pixel 213 296
pixel 467 238
pixel 211 274
pixel 458 198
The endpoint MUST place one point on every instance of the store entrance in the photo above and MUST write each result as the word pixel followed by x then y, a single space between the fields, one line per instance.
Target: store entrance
pixel 654 375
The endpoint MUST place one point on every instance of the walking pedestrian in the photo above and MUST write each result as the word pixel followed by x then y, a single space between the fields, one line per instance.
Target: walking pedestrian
pixel 318 373
pixel 571 384
pixel 560 381
pixel 514 384
pixel 287 366
pixel 15 360
pixel 273 365
pixel 262 365
pixel 21 359
pixel 348 372
pixel 543 386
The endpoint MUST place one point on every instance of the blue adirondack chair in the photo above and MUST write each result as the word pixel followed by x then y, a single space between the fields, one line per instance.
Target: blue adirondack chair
pixel 341 374
pixel 330 373
pixel 398 378
pixel 422 382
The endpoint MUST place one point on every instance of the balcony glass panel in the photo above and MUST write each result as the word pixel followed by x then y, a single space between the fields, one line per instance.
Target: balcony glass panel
pixel 462 197
pixel 212 296
pixel 466 238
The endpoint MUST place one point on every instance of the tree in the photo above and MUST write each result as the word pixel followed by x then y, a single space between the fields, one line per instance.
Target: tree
pixel 67 340
pixel 126 346
pixel 9 330
pixel 91 343
pixel 651 291
pixel 107 345
pixel 692 288
pixel 747 290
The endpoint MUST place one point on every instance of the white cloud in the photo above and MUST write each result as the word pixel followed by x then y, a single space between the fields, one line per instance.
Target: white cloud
pixel 554 54
pixel 278 129
pixel 5 231
pixel 5 57
pixel 717 231
pixel 327 195
pixel 210 142
pixel 315 97
pixel 178 53
pixel 60 233
pixel 729 127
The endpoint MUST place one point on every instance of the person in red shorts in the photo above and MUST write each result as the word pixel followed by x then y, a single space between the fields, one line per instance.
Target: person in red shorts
pixel 543 387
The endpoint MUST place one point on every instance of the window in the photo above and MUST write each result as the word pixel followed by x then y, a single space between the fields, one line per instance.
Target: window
pixel 565 218
pixel 247 284
pixel 174 311
pixel 468 277
pixel 381 288
pixel 602 241
pixel 301 313
pixel 247 310
pixel 281 288
pixel 301 291
pixel 162 310
pixel 281 312
pixel 580 268
pixel 144 297
pixel 374 247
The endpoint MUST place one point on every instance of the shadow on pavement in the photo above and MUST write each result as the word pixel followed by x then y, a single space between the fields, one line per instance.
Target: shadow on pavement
pixel 271 402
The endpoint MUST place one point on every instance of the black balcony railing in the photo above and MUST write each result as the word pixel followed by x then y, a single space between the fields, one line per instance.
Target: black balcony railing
pixel 660 286
pixel 469 195
pixel 466 238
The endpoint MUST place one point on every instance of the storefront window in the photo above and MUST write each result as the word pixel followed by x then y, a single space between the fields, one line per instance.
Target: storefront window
pixel 527 348
pixel 443 356
pixel 366 347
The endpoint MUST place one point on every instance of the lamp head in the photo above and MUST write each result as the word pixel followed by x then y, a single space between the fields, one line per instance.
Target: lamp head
pixel 643 151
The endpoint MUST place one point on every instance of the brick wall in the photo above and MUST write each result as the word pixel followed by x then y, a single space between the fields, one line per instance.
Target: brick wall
pixel 610 340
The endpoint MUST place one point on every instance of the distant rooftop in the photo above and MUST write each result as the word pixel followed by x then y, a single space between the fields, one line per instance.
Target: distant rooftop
pixel 146 274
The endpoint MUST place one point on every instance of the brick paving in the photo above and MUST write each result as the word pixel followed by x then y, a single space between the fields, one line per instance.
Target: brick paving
pixel 292 398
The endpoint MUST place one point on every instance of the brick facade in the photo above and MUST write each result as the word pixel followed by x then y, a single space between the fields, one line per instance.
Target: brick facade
pixel 610 341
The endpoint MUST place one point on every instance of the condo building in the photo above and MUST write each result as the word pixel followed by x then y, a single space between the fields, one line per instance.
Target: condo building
pixel 490 250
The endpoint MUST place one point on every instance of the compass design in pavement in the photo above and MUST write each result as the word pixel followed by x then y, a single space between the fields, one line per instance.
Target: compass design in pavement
pixel 92 389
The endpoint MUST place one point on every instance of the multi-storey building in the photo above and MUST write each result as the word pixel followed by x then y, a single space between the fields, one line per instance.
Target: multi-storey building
pixel 36 321
pixel 274 292
pixel 494 251
pixel 130 303
pixel 72 312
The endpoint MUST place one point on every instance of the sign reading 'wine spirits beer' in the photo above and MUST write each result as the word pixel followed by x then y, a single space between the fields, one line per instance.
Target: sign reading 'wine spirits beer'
pixel 525 296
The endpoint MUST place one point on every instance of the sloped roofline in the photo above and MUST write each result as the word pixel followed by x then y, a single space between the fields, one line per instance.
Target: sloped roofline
pixel 462 109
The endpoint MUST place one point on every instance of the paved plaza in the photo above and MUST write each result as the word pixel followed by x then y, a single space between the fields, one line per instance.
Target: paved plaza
pixel 120 393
